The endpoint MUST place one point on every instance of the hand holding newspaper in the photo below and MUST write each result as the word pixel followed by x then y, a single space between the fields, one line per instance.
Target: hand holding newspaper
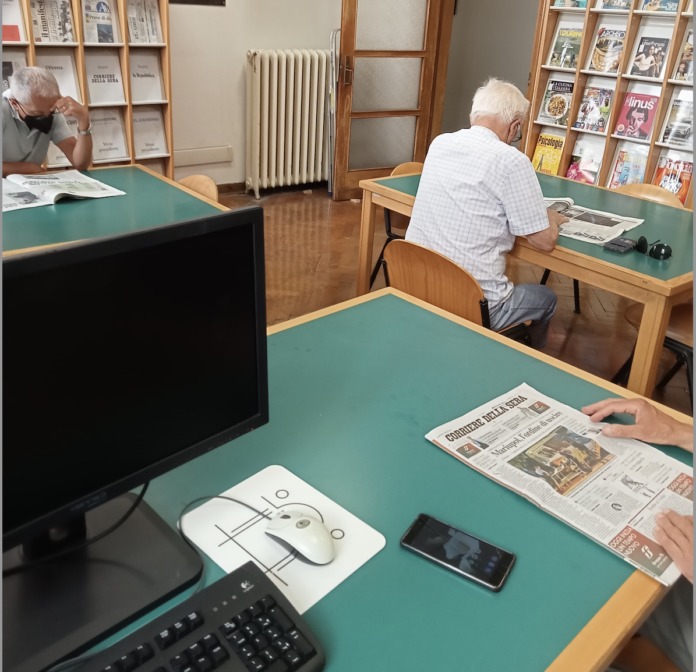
pixel 591 226
pixel 32 191
pixel 609 489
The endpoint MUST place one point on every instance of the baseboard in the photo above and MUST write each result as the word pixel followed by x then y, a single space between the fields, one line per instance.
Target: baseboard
pixel 234 188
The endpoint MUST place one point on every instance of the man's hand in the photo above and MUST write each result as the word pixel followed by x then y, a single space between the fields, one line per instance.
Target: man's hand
pixel 21 168
pixel 675 534
pixel 652 425
pixel 71 108
pixel 546 240
pixel 556 218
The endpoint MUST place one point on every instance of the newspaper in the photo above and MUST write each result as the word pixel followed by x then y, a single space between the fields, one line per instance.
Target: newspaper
pixel 609 489
pixel 592 226
pixel 31 191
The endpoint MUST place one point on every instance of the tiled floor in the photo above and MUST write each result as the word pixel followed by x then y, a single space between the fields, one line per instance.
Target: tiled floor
pixel 311 261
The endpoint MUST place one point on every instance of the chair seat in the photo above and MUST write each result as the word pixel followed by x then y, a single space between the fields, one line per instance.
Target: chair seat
pixel 680 327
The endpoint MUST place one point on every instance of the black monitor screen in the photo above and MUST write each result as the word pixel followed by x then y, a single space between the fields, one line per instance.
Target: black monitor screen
pixel 126 357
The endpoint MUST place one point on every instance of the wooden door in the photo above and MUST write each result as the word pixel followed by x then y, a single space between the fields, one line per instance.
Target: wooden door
pixel 390 93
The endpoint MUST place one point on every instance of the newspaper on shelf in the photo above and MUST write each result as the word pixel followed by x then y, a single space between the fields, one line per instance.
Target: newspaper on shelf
pixel 607 488
pixel 31 191
pixel 592 226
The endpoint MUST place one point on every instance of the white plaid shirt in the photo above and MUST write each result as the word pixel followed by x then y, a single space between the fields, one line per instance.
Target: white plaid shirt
pixel 475 195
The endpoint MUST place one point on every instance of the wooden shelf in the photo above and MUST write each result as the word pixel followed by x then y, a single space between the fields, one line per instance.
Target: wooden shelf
pixel 16 44
pixel 679 82
pixel 104 45
pixel 594 73
pixel 117 104
pixel 56 44
pixel 152 45
pixel 150 102
pixel 658 15
pixel 152 156
pixel 674 147
pixel 638 141
pixel 112 160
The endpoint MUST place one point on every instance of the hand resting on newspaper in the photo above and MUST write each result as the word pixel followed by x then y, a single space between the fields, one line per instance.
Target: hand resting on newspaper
pixel 674 532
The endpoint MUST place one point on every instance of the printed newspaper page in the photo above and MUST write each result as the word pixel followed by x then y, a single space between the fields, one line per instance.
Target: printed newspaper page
pixel 609 489
pixel 15 197
pixel 591 226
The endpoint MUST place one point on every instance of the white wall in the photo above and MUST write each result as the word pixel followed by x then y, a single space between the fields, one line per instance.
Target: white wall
pixel 208 54
pixel 489 38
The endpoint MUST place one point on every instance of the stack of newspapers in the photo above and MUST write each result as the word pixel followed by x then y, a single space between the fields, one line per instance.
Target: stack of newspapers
pixel 144 25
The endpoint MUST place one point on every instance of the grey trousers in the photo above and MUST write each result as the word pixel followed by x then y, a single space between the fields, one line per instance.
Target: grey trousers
pixel 527 302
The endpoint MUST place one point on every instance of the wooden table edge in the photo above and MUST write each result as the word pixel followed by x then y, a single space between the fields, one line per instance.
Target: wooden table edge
pixel 600 641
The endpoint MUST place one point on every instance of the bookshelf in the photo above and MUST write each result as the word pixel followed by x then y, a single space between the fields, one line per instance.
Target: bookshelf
pixel 639 25
pixel 129 145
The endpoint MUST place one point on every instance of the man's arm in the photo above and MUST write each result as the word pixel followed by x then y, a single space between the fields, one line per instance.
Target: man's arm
pixel 546 240
pixel 20 168
pixel 78 150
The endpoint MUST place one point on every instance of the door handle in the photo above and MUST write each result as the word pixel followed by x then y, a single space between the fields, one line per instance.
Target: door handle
pixel 346 72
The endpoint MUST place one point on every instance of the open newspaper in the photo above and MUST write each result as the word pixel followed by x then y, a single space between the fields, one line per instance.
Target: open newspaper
pixel 32 191
pixel 609 489
pixel 592 226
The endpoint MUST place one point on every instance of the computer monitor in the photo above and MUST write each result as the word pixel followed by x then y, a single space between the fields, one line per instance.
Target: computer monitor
pixel 123 358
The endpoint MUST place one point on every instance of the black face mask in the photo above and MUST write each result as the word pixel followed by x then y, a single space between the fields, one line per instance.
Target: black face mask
pixel 42 123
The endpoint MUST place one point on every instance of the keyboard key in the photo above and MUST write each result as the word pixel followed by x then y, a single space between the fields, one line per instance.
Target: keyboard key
pixel 269 654
pixel 209 642
pixel 195 620
pixel 293 659
pixel 272 633
pixel 219 655
pixel 278 666
pixel 114 667
pixel 263 621
pixel 203 664
pixel 256 665
pixel 246 652
pixel 267 602
pixel 297 639
pixel 228 628
pixel 259 641
pixel 165 639
pixel 281 645
pixel 241 619
pixel 179 662
pixel 161 669
pixel 180 629
pixel 282 621
pixel 128 662
pixel 143 653
pixel 188 668
pixel 250 629
pixel 255 610
pixel 194 651
pixel 237 640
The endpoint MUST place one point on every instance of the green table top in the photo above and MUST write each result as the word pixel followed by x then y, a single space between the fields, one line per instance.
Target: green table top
pixel 148 202
pixel 670 225
pixel 351 399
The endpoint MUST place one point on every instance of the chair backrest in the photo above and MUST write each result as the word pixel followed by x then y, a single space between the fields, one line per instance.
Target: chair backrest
pixel 407 169
pixel 202 185
pixel 651 192
pixel 433 278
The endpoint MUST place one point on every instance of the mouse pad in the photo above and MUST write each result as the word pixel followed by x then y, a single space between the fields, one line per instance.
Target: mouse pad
pixel 231 535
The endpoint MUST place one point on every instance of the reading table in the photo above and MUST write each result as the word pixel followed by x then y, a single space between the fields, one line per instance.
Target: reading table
pixel 657 284
pixel 351 400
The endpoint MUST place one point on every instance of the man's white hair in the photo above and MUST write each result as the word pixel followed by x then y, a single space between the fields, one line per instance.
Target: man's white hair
pixel 500 99
pixel 33 81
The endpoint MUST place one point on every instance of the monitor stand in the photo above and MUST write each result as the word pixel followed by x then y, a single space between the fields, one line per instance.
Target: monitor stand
pixel 59 610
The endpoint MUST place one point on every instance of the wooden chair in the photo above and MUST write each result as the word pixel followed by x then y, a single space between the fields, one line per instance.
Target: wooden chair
pixel 680 331
pixel 395 219
pixel 641 655
pixel 435 279
pixel 202 185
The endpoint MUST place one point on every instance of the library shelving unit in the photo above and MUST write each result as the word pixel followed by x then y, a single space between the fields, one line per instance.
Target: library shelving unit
pixel 638 23
pixel 79 54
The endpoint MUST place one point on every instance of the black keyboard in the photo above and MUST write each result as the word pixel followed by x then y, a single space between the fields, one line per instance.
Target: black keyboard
pixel 241 623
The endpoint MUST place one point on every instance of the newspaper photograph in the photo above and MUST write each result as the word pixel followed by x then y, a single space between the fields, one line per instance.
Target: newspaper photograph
pixel 591 226
pixel 15 197
pixel 609 489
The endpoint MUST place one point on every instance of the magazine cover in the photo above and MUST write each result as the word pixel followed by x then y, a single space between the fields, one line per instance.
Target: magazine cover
pixel 637 116
pixel 685 67
pixel 629 167
pixel 586 160
pixel 12 21
pixel 566 50
pixel 594 110
pixel 660 6
pixel 52 21
pixel 607 50
pixel 556 104
pixel 570 3
pixel 674 175
pixel 614 4
pixel 679 127
pixel 651 57
pixel 547 155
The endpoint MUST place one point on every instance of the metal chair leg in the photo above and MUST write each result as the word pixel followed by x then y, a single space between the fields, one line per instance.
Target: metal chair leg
pixel 576 292
pixel 622 375
pixel 379 264
pixel 689 356
pixel 545 277
pixel 671 373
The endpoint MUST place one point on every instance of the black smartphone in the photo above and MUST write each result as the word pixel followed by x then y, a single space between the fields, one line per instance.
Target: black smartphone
pixel 458 551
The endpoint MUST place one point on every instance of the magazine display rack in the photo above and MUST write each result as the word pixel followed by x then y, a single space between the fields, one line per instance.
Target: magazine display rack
pixel 629 53
pixel 100 73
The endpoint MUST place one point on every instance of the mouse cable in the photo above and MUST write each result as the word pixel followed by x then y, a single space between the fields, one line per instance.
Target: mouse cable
pixel 87 542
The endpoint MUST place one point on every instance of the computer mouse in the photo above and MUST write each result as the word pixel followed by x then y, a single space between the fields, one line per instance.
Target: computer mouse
pixel 661 251
pixel 305 534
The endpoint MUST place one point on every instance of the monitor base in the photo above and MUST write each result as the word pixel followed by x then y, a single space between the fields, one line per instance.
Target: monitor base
pixel 60 610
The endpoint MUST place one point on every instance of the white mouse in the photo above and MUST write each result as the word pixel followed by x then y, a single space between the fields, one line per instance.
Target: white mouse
pixel 305 534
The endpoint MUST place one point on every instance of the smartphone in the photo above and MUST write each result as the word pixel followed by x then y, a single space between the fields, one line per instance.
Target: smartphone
pixel 458 551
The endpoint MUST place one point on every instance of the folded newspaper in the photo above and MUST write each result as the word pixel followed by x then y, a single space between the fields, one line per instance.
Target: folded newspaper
pixel 609 489
pixel 32 191
pixel 592 226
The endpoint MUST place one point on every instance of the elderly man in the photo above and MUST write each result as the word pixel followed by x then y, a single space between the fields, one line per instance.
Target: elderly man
pixel 33 114
pixel 476 194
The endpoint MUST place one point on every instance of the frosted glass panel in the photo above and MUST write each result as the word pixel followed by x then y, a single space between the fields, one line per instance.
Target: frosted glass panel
pixel 391 25
pixel 382 142
pixel 386 84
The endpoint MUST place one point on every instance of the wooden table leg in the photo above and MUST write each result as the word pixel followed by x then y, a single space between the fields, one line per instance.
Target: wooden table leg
pixel 651 337
pixel 367 234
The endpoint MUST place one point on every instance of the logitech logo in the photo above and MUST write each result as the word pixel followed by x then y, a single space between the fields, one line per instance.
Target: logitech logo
pixel 247 586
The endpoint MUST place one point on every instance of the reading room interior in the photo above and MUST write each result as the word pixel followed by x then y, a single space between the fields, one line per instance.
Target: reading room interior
pixel 347 335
